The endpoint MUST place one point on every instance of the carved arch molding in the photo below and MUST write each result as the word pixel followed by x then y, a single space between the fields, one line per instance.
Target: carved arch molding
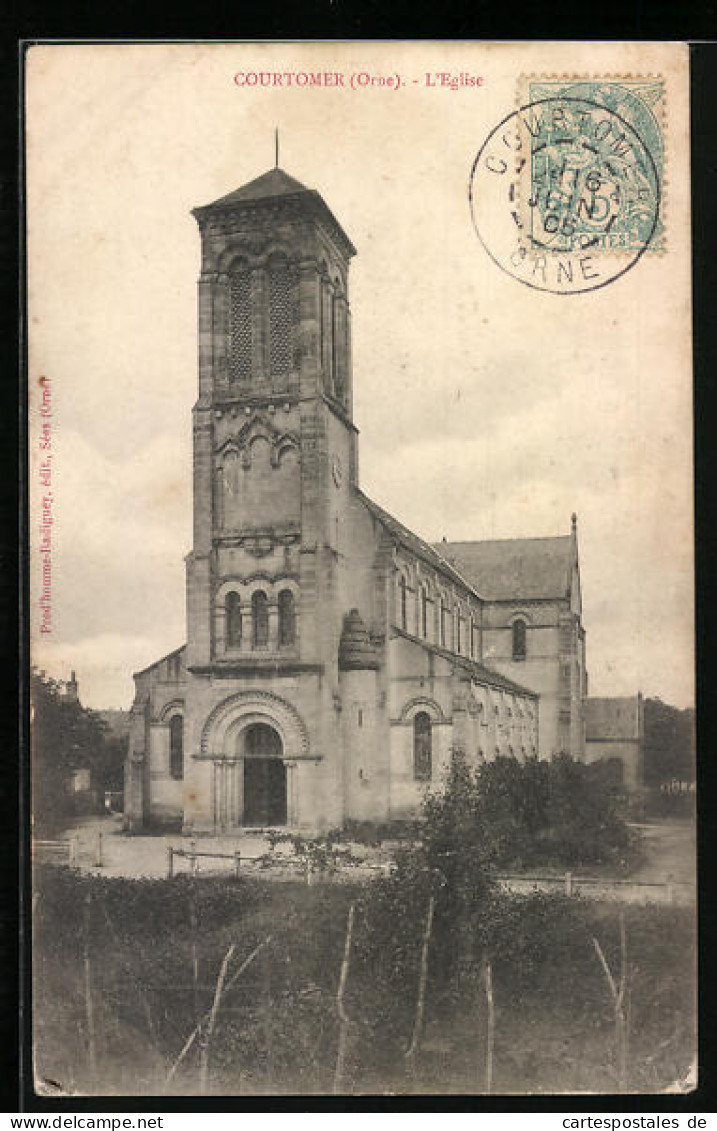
pixel 423 703
pixel 258 428
pixel 174 707
pixel 237 712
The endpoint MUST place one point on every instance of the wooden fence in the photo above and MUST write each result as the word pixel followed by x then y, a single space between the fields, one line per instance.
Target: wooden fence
pixel 55 852
pixel 669 890
pixel 194 855
pixel 69 853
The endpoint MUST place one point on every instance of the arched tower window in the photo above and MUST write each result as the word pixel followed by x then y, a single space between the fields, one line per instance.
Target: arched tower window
pixel 232 613
pixel 403 601
pixel 422 747
pixel 260 618
pixel 287 618
pixel 424 612
pixel 339 337
pixel 176 747
pixel 279 317
pixel 519 640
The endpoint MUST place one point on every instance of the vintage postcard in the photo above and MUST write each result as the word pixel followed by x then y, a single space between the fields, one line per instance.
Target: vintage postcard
pixel 361 572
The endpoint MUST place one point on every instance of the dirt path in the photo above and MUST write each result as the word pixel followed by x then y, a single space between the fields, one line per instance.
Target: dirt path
pixel 669 847
pixel 145 857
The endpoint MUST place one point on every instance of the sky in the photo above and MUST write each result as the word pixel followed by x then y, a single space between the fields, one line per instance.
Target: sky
pixel 485 409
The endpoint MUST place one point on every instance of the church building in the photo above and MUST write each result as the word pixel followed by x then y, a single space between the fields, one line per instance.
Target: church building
pixel 334 659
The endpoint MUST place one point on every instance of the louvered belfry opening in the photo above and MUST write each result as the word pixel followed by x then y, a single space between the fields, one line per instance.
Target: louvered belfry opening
pixel 280 318
pixel 240 354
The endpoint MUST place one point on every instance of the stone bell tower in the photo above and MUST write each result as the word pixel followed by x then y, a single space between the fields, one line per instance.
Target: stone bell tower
pixel 275 461
pixel 273 423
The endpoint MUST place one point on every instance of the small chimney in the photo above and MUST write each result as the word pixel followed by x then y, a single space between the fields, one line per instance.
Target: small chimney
pixel 72 690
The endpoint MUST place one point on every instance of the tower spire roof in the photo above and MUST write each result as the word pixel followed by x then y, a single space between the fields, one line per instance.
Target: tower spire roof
pixel 275 182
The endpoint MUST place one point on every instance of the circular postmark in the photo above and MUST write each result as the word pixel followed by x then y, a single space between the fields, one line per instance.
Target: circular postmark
pixel 564 195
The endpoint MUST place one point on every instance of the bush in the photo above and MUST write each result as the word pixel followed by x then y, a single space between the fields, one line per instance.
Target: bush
pixel 514 814
pixel 278 1029
pixel 374 833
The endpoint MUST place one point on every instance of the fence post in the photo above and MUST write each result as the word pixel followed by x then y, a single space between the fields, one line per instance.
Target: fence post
pixel 73 851
pixel 309 873
pixel 170 861
pixel 237 861
pixel 193 856
pixel 98 855
pixel 568 883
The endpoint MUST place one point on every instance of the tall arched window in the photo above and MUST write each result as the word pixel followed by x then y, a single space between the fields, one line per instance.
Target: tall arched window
pixel 424 612
pixel 176 747
pixel 260 618
pixel 403 611
pixel 422 747
pixel 287 618
pixel 519 640
pixel 442 624
pixel 459 630
pixel 232 613
pixel 339 327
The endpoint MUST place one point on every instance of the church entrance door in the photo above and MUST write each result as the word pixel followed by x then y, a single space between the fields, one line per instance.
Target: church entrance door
pixel 264 777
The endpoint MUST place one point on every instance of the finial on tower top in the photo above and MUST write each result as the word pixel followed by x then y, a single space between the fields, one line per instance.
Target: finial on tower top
pixel 276 147
pixel 574 520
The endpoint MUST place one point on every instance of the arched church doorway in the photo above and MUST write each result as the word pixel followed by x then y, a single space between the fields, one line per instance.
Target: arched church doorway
pixel 264 776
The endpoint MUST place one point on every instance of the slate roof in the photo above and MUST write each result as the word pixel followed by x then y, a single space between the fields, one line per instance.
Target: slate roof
pixel 169 656
pixel 273 184
pixel 479 672
pixel 513 568
pixel 416 545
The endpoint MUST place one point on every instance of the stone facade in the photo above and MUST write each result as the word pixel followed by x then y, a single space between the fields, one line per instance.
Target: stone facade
pixel 615 730
pixel 533 632
pixel 334 659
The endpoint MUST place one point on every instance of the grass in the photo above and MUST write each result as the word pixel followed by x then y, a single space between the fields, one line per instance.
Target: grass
pixel 277 1030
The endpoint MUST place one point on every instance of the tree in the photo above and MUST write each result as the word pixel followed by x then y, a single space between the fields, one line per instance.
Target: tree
pixel 65 736
pixel 508 813
pixel 669 743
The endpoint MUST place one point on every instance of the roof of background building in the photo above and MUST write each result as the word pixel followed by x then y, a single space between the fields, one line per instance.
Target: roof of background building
pixel 117 720
pixel 416 545
pixel 612 718
pixel 513 568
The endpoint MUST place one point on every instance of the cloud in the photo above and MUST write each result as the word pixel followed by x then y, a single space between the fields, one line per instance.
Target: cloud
pixel 103 662
pixel 121 529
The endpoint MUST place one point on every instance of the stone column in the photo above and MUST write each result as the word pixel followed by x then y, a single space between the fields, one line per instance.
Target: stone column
pixel 134 815
pixel 273 611
pixel 292 809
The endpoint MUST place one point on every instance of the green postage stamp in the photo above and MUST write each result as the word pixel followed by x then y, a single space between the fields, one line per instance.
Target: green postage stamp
pixel 606 190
